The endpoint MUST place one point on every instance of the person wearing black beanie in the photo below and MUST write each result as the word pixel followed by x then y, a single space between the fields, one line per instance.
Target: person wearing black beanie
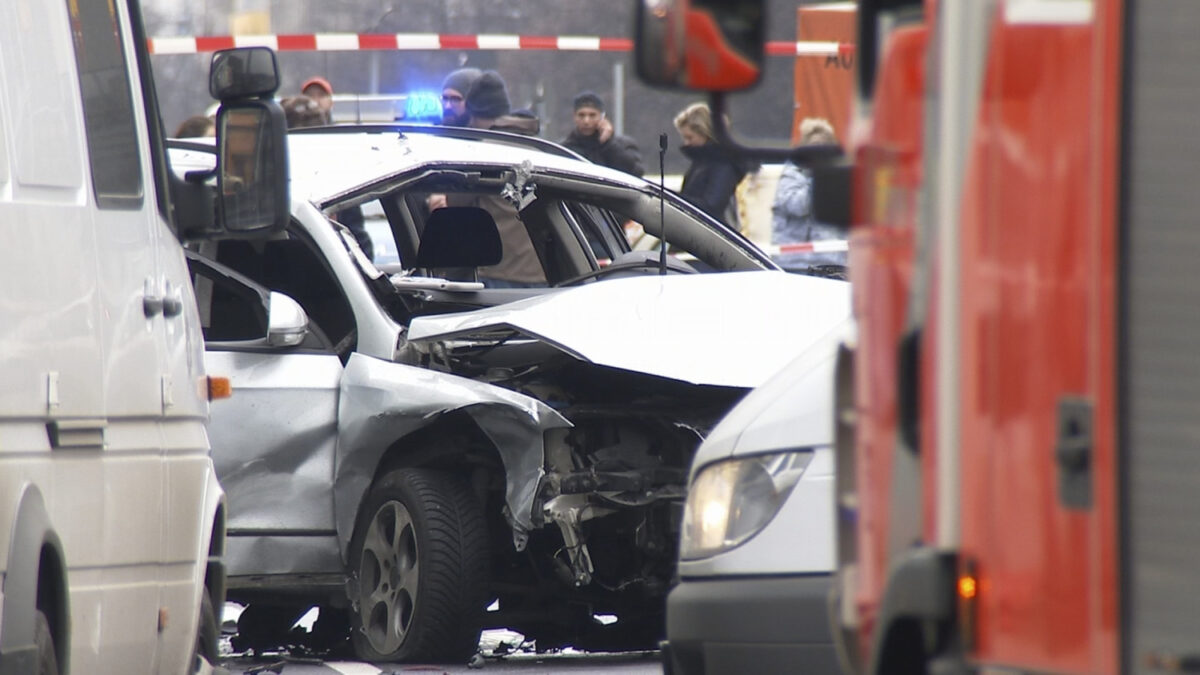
pixel 454 96
pixel 595 138
pixel 488 107
pixel 487 100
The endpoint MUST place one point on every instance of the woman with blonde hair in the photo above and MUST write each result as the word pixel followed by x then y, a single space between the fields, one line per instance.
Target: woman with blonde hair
pixel 714 173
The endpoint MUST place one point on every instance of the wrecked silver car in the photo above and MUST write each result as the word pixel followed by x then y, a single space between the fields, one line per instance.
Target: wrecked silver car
pixel 423 456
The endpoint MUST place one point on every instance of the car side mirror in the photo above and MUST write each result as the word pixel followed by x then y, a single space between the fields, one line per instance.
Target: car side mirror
pixel 287 324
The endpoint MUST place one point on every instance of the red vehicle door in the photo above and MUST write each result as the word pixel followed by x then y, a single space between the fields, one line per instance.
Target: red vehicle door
pixel 1037 336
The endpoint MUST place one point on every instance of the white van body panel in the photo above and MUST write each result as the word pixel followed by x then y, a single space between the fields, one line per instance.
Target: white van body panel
pixel 791 411
pixel 102 404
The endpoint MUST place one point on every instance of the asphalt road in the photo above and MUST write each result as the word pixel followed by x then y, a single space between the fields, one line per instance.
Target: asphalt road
pixel 500 652
pixel 634 663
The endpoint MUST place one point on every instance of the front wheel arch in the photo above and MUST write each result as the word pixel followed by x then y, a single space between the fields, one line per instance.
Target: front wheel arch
pixel 36 579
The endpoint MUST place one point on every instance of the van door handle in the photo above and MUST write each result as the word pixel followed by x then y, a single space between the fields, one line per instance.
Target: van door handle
pixel 152 305
pixel 172 301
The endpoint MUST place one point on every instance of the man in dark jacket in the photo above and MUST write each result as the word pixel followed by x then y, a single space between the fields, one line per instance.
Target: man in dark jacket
pixel 595 139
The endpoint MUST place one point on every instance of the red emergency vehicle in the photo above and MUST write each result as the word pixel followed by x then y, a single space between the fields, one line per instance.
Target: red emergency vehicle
pixel 1019 419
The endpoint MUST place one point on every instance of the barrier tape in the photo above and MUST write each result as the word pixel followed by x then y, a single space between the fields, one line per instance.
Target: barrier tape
pixel 348 42
pixel 822 246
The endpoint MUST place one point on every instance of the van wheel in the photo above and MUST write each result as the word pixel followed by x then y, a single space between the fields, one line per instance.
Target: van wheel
pixel 207 636
pixel 47 659
pixel 419 557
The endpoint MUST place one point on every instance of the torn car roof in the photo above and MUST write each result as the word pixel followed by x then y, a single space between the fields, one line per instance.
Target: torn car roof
pixel 327 165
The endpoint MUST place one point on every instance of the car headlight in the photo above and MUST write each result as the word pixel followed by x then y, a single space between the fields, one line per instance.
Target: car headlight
pixel 732 500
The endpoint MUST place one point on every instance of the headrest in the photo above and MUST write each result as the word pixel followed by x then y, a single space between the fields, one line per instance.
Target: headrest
pixel 459 236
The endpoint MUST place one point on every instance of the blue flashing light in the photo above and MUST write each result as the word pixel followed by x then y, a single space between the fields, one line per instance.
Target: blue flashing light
pixel 423 107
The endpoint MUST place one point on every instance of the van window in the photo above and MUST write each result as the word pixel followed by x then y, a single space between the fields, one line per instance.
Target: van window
pixel 43 140
pixel 107 104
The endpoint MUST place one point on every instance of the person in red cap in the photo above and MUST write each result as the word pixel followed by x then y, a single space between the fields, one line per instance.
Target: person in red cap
pixel 319 90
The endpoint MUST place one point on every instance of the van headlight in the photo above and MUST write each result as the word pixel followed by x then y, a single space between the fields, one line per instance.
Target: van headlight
pixel 733 500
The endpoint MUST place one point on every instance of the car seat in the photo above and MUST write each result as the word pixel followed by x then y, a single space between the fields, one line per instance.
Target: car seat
pixel 456 241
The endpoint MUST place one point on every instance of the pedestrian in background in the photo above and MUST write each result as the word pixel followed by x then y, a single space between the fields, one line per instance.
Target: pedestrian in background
pixel 301 111
pixel 319 90
pixel 488 107
pixel 792 219
pixel 454 96
pixel 595 138
pixel 487 104
pixel 487 100
pixel 520 121
pixel 196 126
pixel 715 171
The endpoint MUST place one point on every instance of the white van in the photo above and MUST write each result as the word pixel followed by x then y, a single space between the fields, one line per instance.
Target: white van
pixel 111 519
pixel 757 547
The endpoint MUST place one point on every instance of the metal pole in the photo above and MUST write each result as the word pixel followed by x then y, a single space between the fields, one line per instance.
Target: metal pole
pixel 373 74
pixel 618 116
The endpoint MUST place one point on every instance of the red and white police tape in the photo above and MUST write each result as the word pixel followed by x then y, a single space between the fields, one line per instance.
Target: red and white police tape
pixel 342 42
pixel 822 246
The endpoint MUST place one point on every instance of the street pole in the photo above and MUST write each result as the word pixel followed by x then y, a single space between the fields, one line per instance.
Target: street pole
pixel 618 117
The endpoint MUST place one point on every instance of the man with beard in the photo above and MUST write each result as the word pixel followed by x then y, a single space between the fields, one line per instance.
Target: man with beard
pixel 454 96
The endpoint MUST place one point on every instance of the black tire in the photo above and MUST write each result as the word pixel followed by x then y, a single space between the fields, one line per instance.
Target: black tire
pixel 419 560
pixel 47 658
pixel 208 633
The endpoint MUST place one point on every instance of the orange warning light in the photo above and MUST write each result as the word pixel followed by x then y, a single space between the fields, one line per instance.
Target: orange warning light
pixel 219 387
pixel 968 587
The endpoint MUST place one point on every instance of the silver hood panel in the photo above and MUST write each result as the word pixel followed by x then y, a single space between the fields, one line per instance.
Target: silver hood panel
pixel 708 329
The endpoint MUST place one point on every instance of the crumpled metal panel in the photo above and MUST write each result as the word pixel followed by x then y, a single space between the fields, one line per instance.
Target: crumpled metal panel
pixel 273 441
pixel 382 401
pixel 735 329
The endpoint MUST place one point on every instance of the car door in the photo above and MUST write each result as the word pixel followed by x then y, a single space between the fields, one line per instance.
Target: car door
pixel 273 440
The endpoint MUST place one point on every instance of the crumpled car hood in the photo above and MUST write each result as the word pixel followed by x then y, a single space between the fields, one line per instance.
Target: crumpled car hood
pixel 734 330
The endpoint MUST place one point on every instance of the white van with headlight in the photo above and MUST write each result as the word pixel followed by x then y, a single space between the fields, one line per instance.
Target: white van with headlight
pixel 758 542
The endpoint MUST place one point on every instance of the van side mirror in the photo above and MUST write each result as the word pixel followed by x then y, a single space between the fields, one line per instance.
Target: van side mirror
pixel 718 46
pixel 252 178
pixel 249 72
pixel 251 199
pixel 713 45
pixel 252 185
pixel 832 193
pixel 659 41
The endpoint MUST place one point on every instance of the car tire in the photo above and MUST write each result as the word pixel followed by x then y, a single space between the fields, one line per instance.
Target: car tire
pixel 47 658
pixel 208 634
pixel 419 565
